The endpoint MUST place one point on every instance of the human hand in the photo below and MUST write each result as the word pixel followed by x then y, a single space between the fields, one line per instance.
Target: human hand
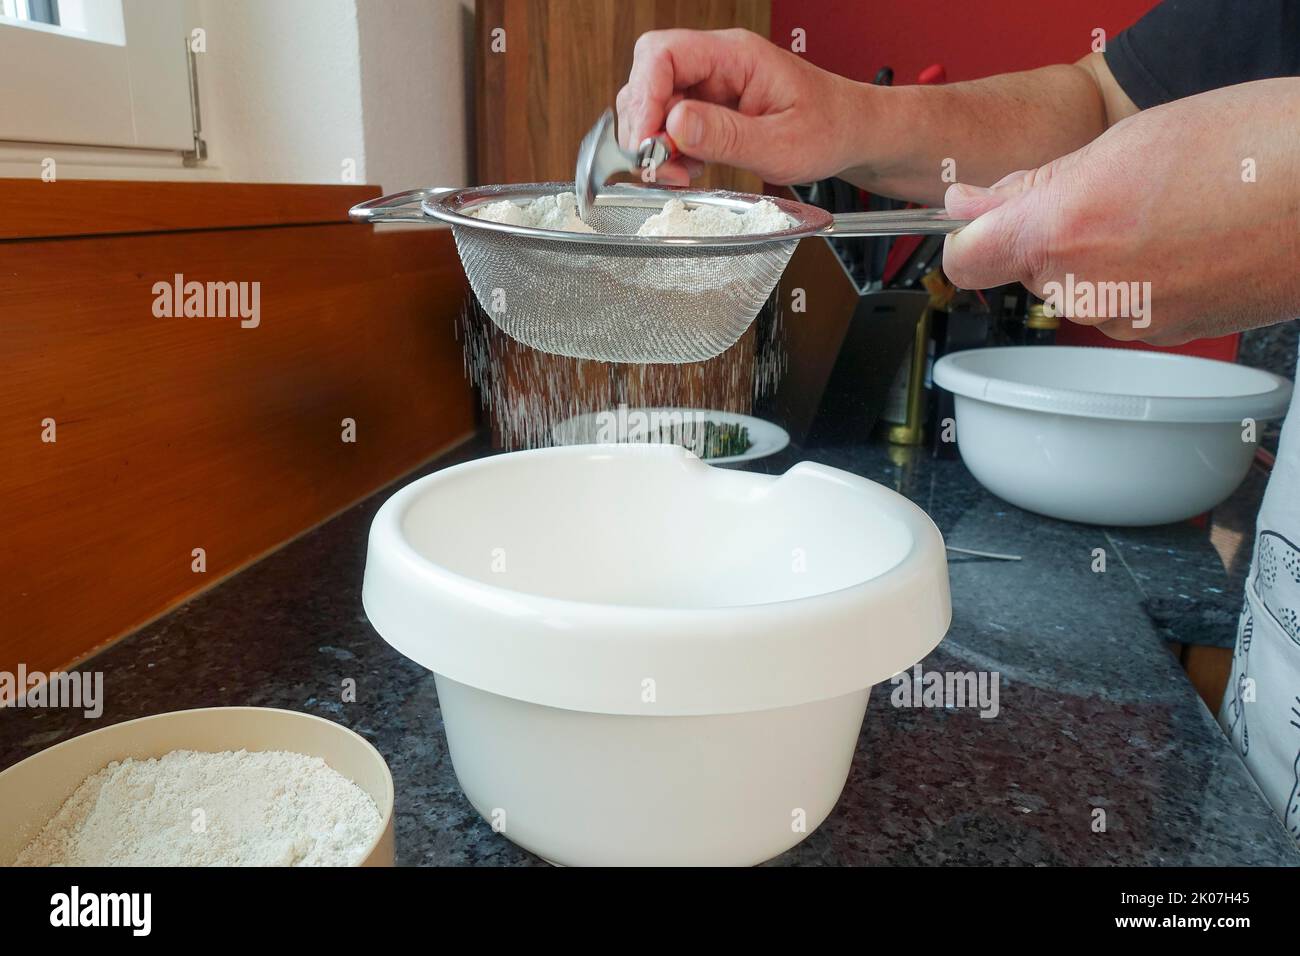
pixel 1180 222
pixel 730 96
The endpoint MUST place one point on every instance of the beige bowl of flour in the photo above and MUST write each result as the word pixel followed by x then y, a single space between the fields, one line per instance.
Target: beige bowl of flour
pixel 33 790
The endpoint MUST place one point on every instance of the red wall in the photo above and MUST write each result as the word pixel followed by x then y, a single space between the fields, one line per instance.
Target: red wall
pixel 970 39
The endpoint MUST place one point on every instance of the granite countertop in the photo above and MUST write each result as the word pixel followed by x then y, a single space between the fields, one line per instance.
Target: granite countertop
pixel 1094 711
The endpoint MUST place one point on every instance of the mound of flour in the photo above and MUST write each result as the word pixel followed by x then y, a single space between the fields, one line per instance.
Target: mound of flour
pixel 271 808
pixel 676 219
pixel 546 212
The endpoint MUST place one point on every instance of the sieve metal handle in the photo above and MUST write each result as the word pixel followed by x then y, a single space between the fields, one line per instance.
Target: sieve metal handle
pixel 902 222
pixel 399 207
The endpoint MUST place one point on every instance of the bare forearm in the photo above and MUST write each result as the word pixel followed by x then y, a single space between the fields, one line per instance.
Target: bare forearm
pixel 911 142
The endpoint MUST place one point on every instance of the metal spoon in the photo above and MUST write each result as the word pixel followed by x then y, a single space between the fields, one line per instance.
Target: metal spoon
pixel 600 158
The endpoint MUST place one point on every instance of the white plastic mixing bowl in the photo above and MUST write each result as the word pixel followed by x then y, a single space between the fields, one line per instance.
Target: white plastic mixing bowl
pixel 642 659
pixel 1107 436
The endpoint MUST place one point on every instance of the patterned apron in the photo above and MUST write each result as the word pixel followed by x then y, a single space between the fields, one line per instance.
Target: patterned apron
pixel 1261 706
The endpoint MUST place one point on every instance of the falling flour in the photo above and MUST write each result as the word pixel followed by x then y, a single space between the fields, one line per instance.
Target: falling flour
pixel 270 808
pixel 560 212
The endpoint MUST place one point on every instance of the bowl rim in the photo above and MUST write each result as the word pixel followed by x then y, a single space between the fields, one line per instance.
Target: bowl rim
pixel 386 808
pixel 582 655
pixel 395 508
pixel 953 372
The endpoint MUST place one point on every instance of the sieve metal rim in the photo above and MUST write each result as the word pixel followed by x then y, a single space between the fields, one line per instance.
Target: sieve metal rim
pixel 450 207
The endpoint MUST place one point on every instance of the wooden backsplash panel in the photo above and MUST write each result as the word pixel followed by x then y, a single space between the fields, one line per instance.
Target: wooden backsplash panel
pixel 183 433
pixel 564 63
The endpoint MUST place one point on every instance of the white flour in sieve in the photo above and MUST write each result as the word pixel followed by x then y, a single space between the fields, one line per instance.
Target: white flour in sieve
pixel 677 219
pixel 560 212
pixel 545 212
pixel 270 808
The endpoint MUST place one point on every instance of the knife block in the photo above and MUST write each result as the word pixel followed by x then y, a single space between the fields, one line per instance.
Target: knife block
pixel 842 351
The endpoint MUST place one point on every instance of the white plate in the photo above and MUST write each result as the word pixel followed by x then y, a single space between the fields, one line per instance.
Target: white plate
pixel 766 438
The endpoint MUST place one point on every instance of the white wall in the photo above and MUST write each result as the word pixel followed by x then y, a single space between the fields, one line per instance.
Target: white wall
pixel 293 88
pixel 280 89
pixel 415 91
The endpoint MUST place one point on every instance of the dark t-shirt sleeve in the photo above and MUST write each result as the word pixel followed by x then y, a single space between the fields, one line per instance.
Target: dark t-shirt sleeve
pixel 1184 47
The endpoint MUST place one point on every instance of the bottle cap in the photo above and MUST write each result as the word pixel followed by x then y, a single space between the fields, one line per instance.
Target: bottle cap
pixel 1042 317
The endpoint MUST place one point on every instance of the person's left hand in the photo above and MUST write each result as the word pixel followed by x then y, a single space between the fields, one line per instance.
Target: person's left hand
pixel 1183 219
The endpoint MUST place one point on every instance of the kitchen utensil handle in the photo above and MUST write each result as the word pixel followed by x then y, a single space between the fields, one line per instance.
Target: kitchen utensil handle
pixel 656 150
pixel 399 207
pixel 900 222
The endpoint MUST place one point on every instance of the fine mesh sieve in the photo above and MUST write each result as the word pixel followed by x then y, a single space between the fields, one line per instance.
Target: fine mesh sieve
pixel 614 296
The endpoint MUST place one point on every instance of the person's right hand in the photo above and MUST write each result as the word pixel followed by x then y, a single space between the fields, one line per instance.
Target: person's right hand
pixel 732 97
pixel 1180 222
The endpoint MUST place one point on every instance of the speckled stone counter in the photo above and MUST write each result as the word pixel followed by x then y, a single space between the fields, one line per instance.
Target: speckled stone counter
pixel 1094 712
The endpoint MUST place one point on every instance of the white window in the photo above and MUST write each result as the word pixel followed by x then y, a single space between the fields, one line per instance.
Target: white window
pixel 87 19
pixel 97 73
